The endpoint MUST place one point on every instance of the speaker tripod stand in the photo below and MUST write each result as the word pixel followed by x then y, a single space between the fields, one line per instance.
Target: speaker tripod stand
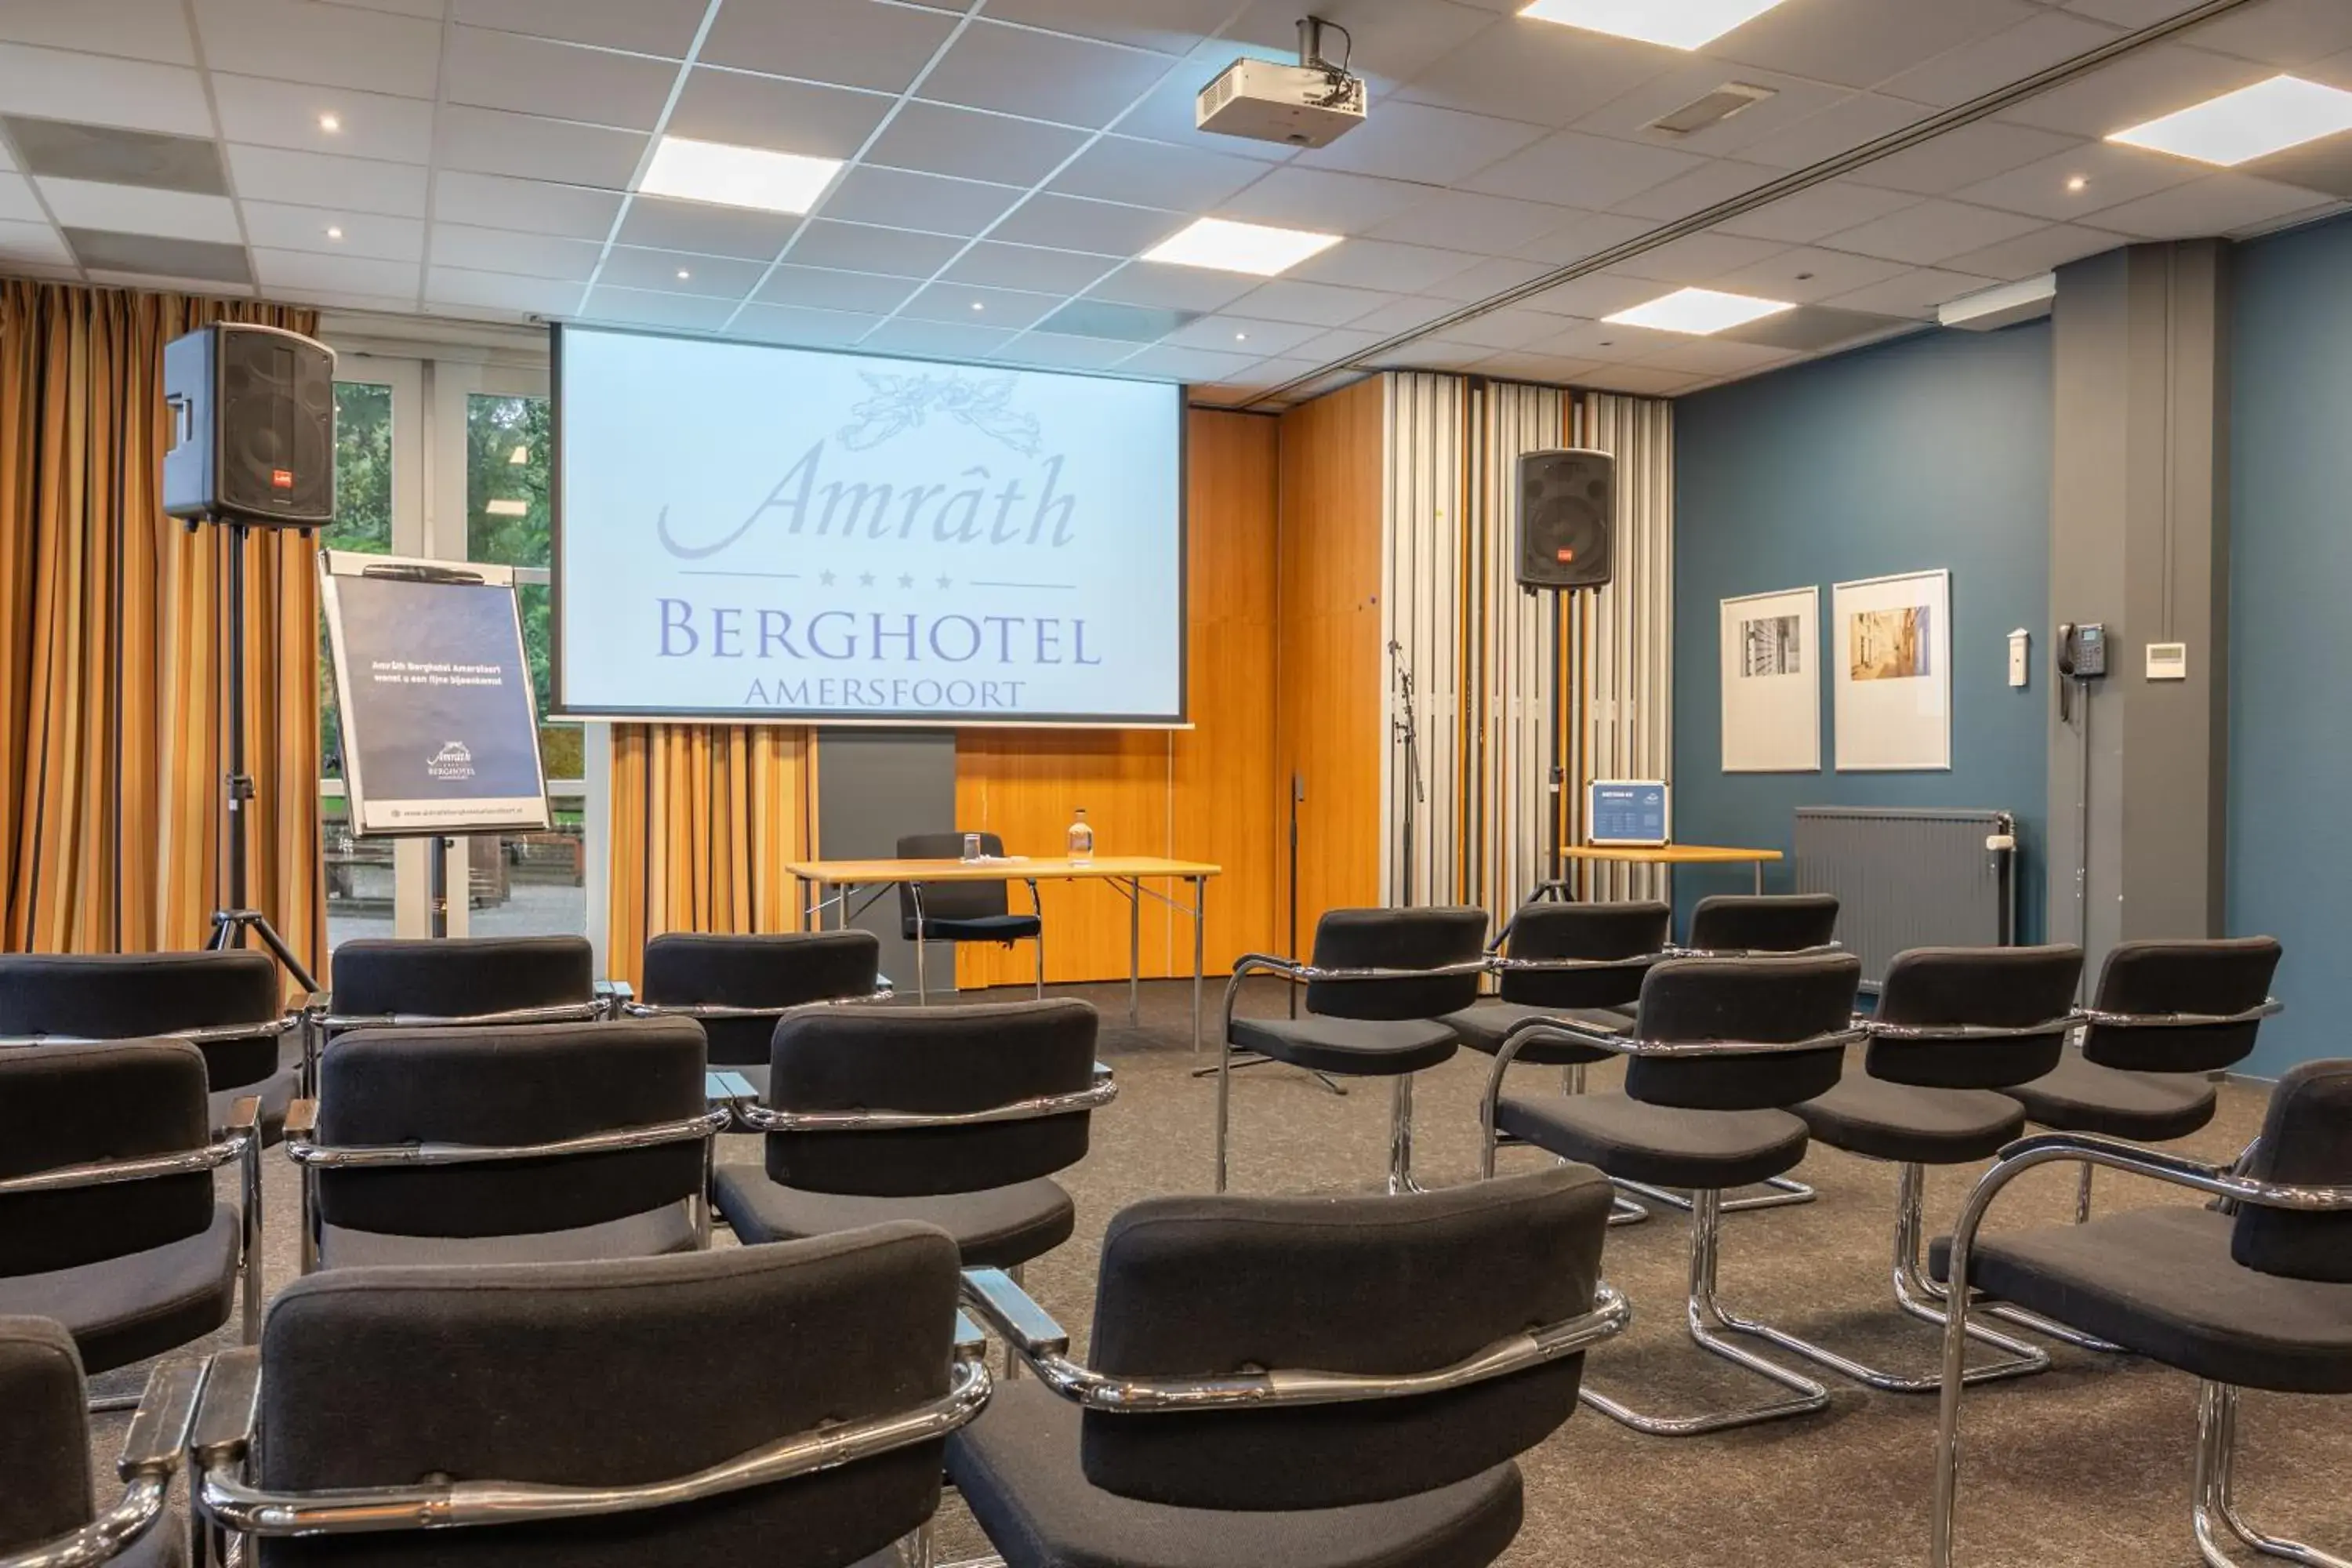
pixel 233 923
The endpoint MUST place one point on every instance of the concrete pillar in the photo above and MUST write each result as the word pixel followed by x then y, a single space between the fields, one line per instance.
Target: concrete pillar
pixel 2140 540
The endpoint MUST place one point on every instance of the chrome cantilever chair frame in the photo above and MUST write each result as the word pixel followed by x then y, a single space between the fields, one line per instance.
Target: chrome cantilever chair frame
pixel 2213 1509
pixel 320 1022
pixel 1934 1291
pixel 225 1503
pixel 1399 1179
pixel 882 992
pixel 1702 1317
pixel 1033 1337
pixel 1912 1291
pixel 1037 906
pixel 301 1123
pixel 152 1452
pixel 242 1144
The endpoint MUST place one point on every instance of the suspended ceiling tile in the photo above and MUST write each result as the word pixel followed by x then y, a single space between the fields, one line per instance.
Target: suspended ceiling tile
pixel 1599 294
pixel 333 232
pixel 1716 181
pixel 2217 203
pixel 132 209
pixel 345 274
pixel 1170 26
pixel 852 43
pixel 664 27
pixel 1313 304
pixel 1073 82
pixel 827 289
pixel 1006 309
pixel 1062 351
pixel 1805 273
pixel 1642 380
pixel 1575 170
pixel 492 69
pixel 527 147
pixel 23 241
pixel 1337 344
pixel 1164 362
pixel 1586 234
pixel 807 117
pixel 680 272
pixel 1396 40
pixel 1843 126
pixel 2288 33
pixel 1421 142
pixel 861 247
pixel 1154 174
pixel 1380 264
pixel 1177 287
pixel 1486 280
pixel 17 203
pixel 973 144
pixel 2039 251
pixel 269 113
pixel 298 40
pixel 2111 174
pixel 56 84
pixel 1813 329
pixel 2147 82
pixel 536 206
pixel 657 223
pixel 894 198
pixel 1465 220
pixel 1076 223
pixel 1538 73
pixel 1325 201
pixel 1697 258
pixel 649 308
pixel 1964 156
pixel 1819 211
pixel 142 29
pixel 1631 115
pixel 1404 314
pixel 1030 267
pixel 1989 63
pixel 501 292
pixel 113 155
pixel 1860 43
pixel 503 250
pixel 1915 293
pixel 797 324
pixel 324 180
pixel 1931 231
pixel 1243 334
pixel 1719 357
pixel 935 340
pixel 1547 370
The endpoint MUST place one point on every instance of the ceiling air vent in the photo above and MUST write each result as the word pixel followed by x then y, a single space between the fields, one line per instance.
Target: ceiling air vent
pixel 1712 109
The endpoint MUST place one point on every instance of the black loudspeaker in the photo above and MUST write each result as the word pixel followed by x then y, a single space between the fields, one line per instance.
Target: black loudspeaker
pixel 252 427
pixel 1567 518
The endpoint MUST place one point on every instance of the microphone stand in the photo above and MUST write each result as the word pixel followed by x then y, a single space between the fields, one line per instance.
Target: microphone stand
pixel 1406 730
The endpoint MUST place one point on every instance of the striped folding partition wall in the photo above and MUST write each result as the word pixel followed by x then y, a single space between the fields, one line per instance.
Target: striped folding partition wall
pixel 1493 668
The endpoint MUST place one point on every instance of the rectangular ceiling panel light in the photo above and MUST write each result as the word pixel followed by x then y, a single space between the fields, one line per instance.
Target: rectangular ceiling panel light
pixel 2252 122
pixel 1699 311
pixel 1677 24
pixel 731 176
pixel 1229 247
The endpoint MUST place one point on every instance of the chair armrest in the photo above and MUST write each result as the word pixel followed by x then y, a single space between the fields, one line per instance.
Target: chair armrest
pixel 2106 1020
pixel 245 1115
pixel 159 1428
pixel 722 1088
pixel 225 1415
pixel 301 1119
pixel 1003 1306
pixel 150 1453
pixel 970 1341
pixel 2220 1181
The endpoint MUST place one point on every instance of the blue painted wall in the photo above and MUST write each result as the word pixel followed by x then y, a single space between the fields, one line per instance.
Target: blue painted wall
pixel 1931 451
pixel 2290 806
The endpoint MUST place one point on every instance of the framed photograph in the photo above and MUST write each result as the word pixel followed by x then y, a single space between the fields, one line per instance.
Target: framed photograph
pixel 1771 682
pixel 1892 666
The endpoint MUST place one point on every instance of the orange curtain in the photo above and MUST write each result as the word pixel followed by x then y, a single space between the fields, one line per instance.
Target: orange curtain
pixel 112 650
pixel 705 818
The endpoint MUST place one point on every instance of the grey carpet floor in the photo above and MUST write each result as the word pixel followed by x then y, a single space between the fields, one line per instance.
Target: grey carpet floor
pixel 2088 1463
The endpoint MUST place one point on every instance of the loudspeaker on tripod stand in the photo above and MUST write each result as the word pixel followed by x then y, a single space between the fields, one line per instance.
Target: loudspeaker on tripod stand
pixel 252 427
pixel 1567 509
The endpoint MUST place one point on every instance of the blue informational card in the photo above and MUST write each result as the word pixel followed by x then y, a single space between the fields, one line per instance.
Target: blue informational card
pixel 1627 810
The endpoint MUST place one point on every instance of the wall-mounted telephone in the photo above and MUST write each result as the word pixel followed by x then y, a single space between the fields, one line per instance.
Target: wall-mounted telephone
pixel 2081 656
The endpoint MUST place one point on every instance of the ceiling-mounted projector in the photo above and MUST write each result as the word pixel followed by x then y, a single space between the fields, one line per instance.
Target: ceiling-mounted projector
pixel 1310 104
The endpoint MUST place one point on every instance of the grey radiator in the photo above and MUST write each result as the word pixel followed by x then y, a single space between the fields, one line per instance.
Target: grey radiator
pixel 1908 879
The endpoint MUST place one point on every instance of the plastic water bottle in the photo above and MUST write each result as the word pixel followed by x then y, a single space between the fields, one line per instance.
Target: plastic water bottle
pixel 1082 838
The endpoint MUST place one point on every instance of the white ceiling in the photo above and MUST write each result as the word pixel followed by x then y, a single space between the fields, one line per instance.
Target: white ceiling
pixel 1019 154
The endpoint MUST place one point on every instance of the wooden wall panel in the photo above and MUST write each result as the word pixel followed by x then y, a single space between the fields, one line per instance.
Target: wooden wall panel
pixel 1328 714
pixel 1204 794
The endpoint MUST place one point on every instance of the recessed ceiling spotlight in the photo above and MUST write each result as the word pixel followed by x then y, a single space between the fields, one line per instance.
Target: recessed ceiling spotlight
pixel 731 176
pixel 330 122
pixel 978 306
pixel 1241 337
pixel 333 232
pixel 2077 182
pixel 1256 249
pixel 2252 122
pixel 1699 311
pixel 682 275
pixel 1677 24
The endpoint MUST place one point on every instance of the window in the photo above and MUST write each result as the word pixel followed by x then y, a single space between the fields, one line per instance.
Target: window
pixel 359 874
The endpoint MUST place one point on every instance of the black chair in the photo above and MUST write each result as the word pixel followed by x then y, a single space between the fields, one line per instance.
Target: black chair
pixel 1319 1382
pixel 2254 1292
pixel 1953 1025
pixel 962 911
pixel 1378 990
pixel 425 982
pixel 588 1416
pixel 1720 1051
pixel 107 1219
pixel 737 987
pixel 47 1515
pixel 1763 923
pixel 506 1143
pixel 1557 958
pixel 955 1116
pixel 227 1004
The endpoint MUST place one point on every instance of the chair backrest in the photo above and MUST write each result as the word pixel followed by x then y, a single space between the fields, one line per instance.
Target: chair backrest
pixel 509 1085
pixel 1396 938
pixel 2306 1141
pixel 950 900
pixel 457 977
pixel 45 1439
pixel 127 996
pixel 1759 1000
pixel 786 970
pixel 1604 932
pixel 1763 923
pixel 616 1373
pixel 1204 1285
pixel 1975 987
pixel 935 1061
pixel 2214 978
pixel 78 1105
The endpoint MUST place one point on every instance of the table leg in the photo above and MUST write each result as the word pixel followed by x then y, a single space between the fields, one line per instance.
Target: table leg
pixel 1199 898
pixel 1134 951
pixel 1759 877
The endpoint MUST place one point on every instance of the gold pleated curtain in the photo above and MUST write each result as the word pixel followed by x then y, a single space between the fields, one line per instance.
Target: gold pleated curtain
pixel 705 818
pixel 112 648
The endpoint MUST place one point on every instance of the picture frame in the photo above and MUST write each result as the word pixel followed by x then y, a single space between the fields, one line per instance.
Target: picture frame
pixel 1771 692
pixel 1891 669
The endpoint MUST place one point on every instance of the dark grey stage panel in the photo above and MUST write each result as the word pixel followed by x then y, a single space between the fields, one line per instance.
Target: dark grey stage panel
pixel 874 786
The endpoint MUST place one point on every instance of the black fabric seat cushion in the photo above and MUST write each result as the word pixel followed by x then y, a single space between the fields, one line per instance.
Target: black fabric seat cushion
pixel 650 1235
pixel 126 1309
pixel 1911 1125
pixel 1347 1045
pixel 276 1092
pixel 2161 1282
pixel 1017 1468
pixel 2147 1107
pixel 995 1228
pixel 1663 1145
pixel 980 928
pixel 1483 1027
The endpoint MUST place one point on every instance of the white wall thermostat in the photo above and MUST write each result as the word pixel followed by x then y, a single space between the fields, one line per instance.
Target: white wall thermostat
pixel 2167 661
pixel 2021 644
